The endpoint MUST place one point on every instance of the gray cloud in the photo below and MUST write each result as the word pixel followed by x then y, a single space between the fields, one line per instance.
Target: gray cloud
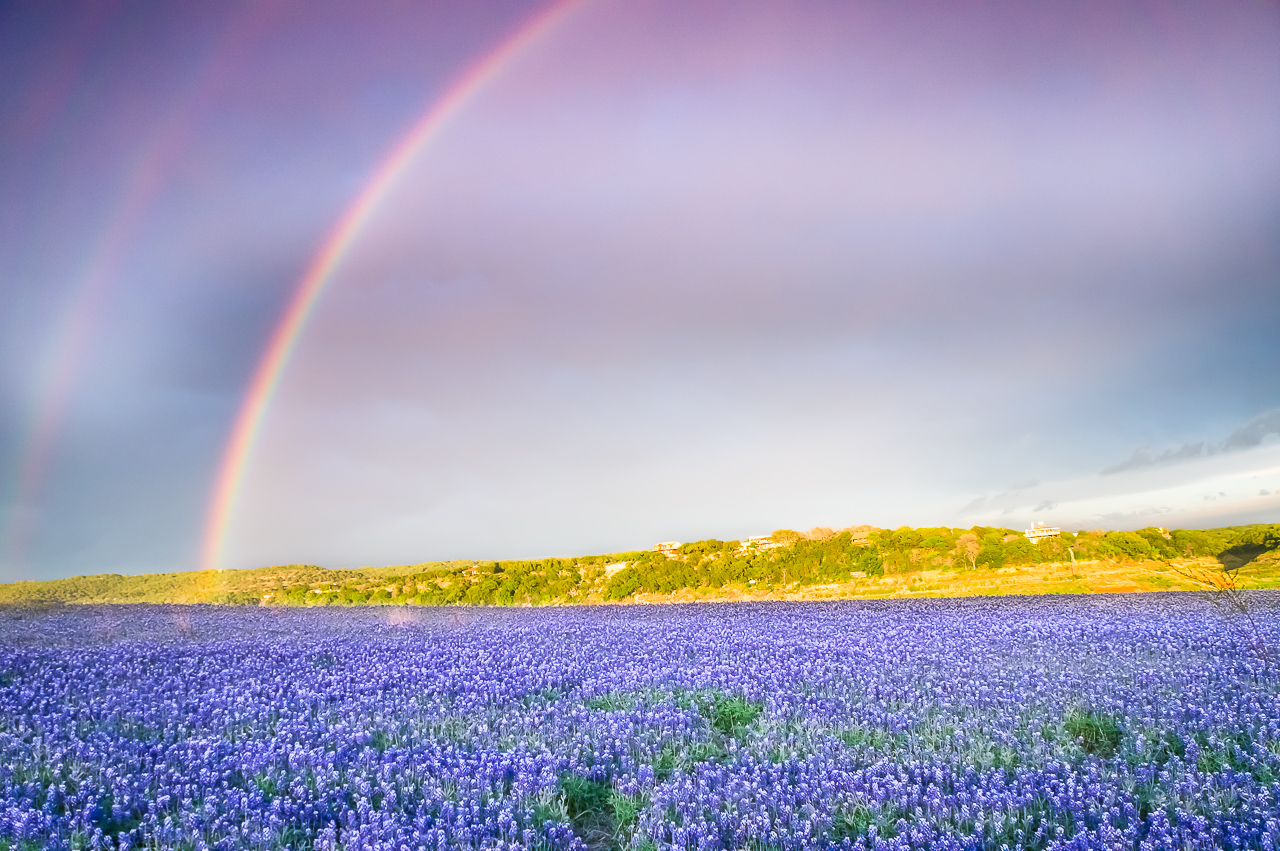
pixel 983 501
pixel 1144 458
pixel 1251 434
pixel 1123 518
pixel 1255 431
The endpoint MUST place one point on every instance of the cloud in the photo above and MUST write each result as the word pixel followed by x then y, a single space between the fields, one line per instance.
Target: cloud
pixel 1255 431
pixel 1123 518
pixel 1247 436
pixel 1047 505
pixel 1143 458
pixel 980 502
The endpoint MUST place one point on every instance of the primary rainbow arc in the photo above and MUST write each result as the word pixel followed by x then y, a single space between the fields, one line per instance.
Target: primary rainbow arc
pixel 266 378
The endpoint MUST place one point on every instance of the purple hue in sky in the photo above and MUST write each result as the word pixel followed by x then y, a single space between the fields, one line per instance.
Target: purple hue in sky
pixel 676 272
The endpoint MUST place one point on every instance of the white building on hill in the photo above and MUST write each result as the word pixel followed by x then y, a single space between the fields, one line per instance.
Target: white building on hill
pixel 1039 530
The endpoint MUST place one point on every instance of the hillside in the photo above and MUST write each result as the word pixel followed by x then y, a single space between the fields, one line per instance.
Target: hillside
pixel 860 562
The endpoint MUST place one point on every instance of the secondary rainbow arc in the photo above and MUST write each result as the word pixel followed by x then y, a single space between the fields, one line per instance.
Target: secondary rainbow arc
pixel 266 378
pixel 70 341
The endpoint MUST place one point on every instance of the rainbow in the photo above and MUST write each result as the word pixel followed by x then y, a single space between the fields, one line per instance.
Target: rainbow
pixel 266 379
pixel 59 370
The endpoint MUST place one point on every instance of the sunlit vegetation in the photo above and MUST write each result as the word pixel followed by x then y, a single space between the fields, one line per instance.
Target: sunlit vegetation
pixel 865 562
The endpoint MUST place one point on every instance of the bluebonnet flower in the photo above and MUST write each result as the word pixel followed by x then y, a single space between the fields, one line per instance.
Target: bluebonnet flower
pixel 1042 723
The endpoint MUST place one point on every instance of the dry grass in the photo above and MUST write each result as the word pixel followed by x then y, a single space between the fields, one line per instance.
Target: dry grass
pixel 1082 577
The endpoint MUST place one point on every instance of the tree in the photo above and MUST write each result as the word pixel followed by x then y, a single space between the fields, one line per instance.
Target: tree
pixel 1021 551
pixel 1220 585
pixel 1131 544
pixel 870 562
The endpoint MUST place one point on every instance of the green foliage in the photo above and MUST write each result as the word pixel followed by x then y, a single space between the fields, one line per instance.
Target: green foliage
pixel 1098 733
pixel 1130 544
pixel 623 584
pixel 855 821
pixel 871 562
pixel 1200 542
pixel 708 547
pixel 1160 542
pixel 1020 551
pixel 612 702
pixel 626 811
pixel 992 556
pixel 584 798
pixel 238 598
pixel 25 845
pixel 851 822
pixel 872 738
pixel 729 714
pixel 602 817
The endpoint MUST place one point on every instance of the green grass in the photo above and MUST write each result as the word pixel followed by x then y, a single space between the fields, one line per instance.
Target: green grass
pixel 602 817
pixel 873 738
pixel 1098 733
pixel 729 714
pixel 856 821
pixel 613 701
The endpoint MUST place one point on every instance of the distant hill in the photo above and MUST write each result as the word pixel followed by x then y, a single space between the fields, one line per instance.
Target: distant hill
pixel 233 587
pixel 857 562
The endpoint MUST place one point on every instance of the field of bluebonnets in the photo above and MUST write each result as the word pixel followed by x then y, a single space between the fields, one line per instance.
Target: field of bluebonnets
pixel 1145 722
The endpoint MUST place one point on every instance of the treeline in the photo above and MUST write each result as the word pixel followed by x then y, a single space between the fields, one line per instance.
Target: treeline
pixel 788 559
pixel 842 557
pixel 500 583
pixel 228 587
pixel 819 557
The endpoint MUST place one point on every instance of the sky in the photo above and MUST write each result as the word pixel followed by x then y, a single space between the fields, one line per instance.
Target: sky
pixel 351 285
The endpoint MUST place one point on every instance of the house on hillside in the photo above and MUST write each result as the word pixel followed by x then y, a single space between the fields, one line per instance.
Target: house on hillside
pixel 759 542
pixel 860 536
pixel 670 549
pixel 1039 530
